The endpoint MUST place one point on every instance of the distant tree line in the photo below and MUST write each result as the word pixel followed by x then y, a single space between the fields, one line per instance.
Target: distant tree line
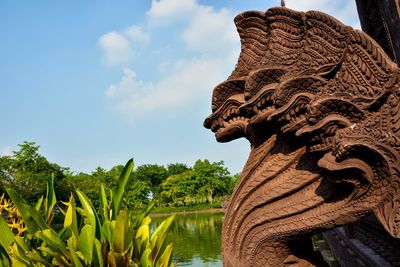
pixel 174 185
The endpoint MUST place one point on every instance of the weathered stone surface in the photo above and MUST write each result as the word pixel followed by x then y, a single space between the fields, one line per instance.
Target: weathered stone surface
pixel 319 103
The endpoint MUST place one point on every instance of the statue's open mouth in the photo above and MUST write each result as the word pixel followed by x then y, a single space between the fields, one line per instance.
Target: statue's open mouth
pixel 324 119
pixel 227 122
pixel 292 114
pixel 259 107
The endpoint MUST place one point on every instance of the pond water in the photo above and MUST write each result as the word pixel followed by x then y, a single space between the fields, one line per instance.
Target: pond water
pixel 196 238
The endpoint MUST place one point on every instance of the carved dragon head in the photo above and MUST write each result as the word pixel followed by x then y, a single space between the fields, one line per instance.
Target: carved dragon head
pixel 327 86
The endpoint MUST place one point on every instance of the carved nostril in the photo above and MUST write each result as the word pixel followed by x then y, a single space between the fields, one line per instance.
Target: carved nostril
pixel 207 123
pixel 247 95
pixel 278 102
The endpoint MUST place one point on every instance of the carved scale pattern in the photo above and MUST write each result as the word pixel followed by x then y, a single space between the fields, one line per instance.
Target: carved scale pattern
pixel 319 103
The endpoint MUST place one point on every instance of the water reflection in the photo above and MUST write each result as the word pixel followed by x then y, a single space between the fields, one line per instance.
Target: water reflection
pixel 196 238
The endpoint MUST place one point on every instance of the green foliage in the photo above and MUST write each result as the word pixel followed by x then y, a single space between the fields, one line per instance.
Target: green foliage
pixel 204 183
pixel 27 172
pixel 176 168
pixel 177 185
pixel 153 175
pixel 87 238
pixel 137 197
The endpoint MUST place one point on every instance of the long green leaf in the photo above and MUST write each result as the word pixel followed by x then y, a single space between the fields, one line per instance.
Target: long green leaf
pixel 107 231
pixel 36 258
pixel 140 217
pixel 166 257
pixel 145 261
pixel 86 243
pixel 33 220
pixel 123 233
pixel 54 242
pixel 18 250
pixel 71 243
pixel 4 256
pixel 120 188
pixel 39 203
pixel 50 197
pixel 90 213
pixel 142 237
pixel 104 204
pixel 97 255
pixel 6 236
pixel 158 237
pixel 70 219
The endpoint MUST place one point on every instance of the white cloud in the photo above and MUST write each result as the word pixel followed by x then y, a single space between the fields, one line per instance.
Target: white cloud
pixel 116 48
pixel 211 31
pixel 210 36
pixel 167 11
pixel 206 30
pixel 136 33
pixel 343 10
pixel 186 82
pixel 6 151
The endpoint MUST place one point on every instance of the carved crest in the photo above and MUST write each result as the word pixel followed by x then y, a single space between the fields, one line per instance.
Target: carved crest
pixel 319 103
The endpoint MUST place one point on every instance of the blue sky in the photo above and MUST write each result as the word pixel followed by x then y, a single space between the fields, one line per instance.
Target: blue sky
pixel 97 82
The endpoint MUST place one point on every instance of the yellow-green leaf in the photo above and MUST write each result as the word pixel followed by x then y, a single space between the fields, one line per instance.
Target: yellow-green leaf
pixel 39 203
pixel 90 213
pixel 97 256
pixel 4 256
pixel 86 242
pixel 6 236
pixel 32 219
pixel 53 241
pixel 120 188
pixel 166 256
pixel 50 197
pixel 72 248
pixel 122 233
pixel 107 231
pixel 104 203
pixel 145 261
pixel 70 219
pixel 158 237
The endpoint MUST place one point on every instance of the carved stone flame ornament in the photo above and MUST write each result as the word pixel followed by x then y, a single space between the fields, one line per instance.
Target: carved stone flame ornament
pixel 319 103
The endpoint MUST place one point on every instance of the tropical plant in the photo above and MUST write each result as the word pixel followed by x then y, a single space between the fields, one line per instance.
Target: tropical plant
pixel 111 237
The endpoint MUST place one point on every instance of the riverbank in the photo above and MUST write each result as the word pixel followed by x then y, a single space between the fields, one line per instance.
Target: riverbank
pixel 184 212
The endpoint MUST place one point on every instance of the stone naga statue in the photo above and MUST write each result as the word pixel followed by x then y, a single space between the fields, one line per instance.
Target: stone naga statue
pixel 319 103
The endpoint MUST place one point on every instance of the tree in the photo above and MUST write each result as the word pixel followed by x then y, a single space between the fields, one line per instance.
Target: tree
pixel 6 173
pixel 111 177
pixel 214 178
pixel 201 184
pixel 137 195
pixel 27 171
pixel 178 189
pixel 153 175
pixel 176 168
pixel 87 183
